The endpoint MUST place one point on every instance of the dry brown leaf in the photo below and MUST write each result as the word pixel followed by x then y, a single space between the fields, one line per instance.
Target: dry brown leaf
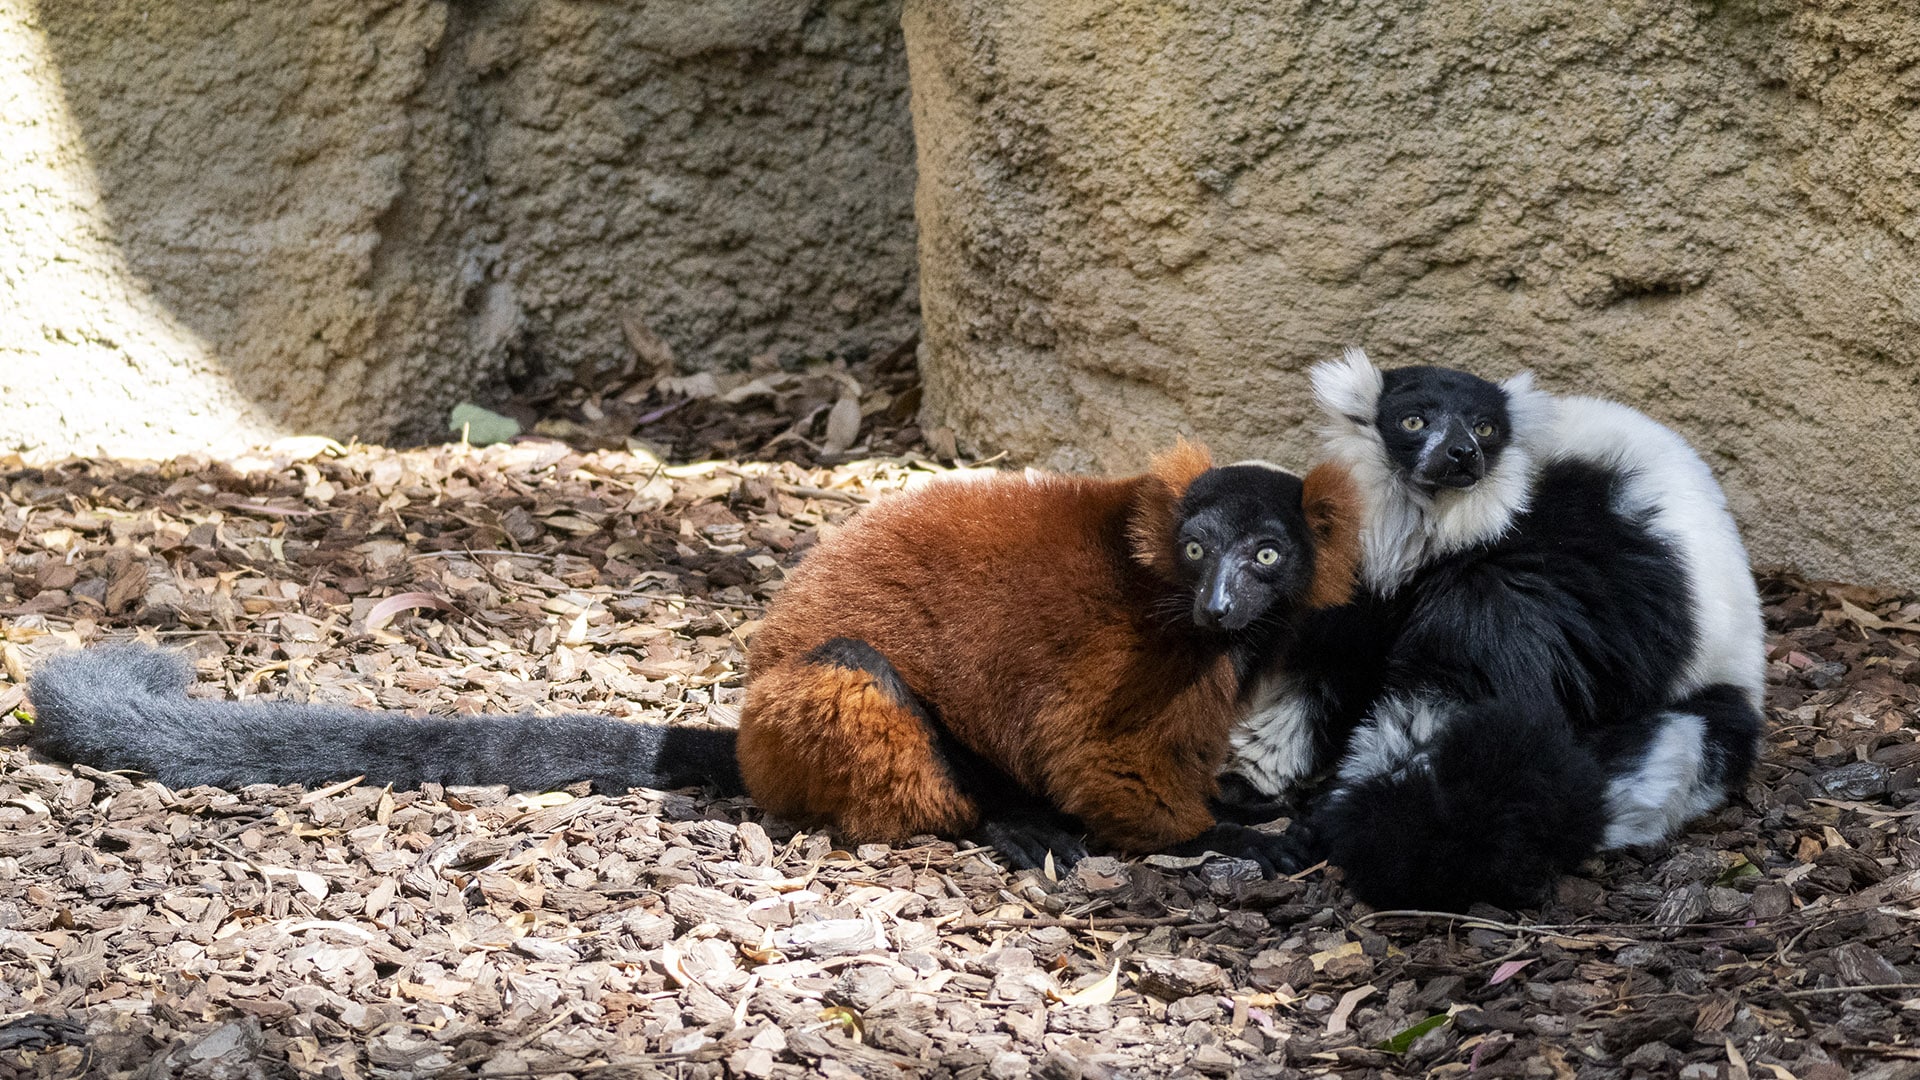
pixel 1736 1063
pixel 439 991
pixel 1321 958
pixel 1867 620
pixel 843 426
pixel 698 386
pixel 309 882
pixel 653 353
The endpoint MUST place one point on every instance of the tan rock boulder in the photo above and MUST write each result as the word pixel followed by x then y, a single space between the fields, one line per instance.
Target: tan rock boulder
pixel 1141 218
pixel 227 220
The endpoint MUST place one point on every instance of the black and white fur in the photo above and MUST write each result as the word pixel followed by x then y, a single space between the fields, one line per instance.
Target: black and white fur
pixel 126 707
pixel 1557 650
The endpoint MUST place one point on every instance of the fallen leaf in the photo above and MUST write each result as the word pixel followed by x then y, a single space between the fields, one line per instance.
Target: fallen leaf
pixel 1337 1021
pixel 1867 620
pixel 1398 1042
pixel 1508 970
pixel 309 882
pixel 479 426
pixel 440 991
pixel 699 385
pixel 544 800
pixel 648 347
pixel 844 1018
pixel 1098 993
pixel 1736 1063
pixel 297 448
pixel 843 426
pixel 766 386
pixel 384 611
pixel 1321 958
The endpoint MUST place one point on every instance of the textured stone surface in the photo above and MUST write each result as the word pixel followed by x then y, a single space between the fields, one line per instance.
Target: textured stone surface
pixel 229 219
pixel 1143 217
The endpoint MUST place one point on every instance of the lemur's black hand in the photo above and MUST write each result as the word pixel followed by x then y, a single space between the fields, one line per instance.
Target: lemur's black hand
pixel 1024 837
pixel 1276 853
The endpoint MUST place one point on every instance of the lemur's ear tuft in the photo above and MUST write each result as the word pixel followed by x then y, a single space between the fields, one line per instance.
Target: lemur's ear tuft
pixel 1529 409
pixel 1348 388
pixel 1331 501
pixel 1156 509
pixel 1180 465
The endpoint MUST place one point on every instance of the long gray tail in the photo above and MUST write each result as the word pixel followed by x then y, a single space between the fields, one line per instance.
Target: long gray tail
pixel 126 707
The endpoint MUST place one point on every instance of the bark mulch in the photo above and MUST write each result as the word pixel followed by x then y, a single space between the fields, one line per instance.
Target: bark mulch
pixel 356 931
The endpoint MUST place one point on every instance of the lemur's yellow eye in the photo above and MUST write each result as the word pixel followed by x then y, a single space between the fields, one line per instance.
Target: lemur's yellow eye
pixel 1194 550
pixel 1413 423
pixel 1484 430
pixel 1266 556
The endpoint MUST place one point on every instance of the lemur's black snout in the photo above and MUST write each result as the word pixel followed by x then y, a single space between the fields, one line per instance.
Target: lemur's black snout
pixel 1213 606
pixel 1453 459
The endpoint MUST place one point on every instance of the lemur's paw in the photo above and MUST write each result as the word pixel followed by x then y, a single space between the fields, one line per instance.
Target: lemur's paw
pixel 1276 853
pixel 1025 838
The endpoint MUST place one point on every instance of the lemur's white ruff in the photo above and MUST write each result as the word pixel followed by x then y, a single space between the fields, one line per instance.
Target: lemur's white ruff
pixel 1406 527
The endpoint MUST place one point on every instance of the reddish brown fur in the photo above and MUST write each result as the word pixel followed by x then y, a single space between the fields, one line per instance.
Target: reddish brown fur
pixel 877 776
pixel 1331 500
pixel 1156 510
pixel 1021 610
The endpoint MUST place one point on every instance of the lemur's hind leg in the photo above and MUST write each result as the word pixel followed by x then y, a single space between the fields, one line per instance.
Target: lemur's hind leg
pixel 840 737
pixel 1022 826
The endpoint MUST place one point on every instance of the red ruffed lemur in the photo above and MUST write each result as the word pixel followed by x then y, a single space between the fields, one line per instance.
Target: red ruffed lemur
pixel 991 654
pixel 1025 658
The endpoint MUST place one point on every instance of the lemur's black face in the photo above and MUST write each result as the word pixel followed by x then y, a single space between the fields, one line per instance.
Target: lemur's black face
pixel 1243 545
pixel 1442 428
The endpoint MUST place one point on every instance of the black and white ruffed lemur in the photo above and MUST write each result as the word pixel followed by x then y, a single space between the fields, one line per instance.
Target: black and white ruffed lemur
pixel 1025 658
pixel 1556 648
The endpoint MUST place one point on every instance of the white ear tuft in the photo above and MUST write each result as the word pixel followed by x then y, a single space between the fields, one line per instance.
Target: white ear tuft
pixel 1529 410
pixel 1348 388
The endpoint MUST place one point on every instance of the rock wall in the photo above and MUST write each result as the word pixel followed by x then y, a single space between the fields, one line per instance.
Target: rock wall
pixel 233 219
pixel 1150 216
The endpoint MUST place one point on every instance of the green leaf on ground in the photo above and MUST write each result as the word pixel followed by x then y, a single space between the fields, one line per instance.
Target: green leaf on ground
pixel 481 427
pixel 1398 1043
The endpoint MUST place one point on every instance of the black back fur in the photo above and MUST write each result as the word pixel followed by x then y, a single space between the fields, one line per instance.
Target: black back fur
pixel 1562 633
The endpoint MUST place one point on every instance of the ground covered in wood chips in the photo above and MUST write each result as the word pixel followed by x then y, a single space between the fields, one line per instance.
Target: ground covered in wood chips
pixel 357 931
